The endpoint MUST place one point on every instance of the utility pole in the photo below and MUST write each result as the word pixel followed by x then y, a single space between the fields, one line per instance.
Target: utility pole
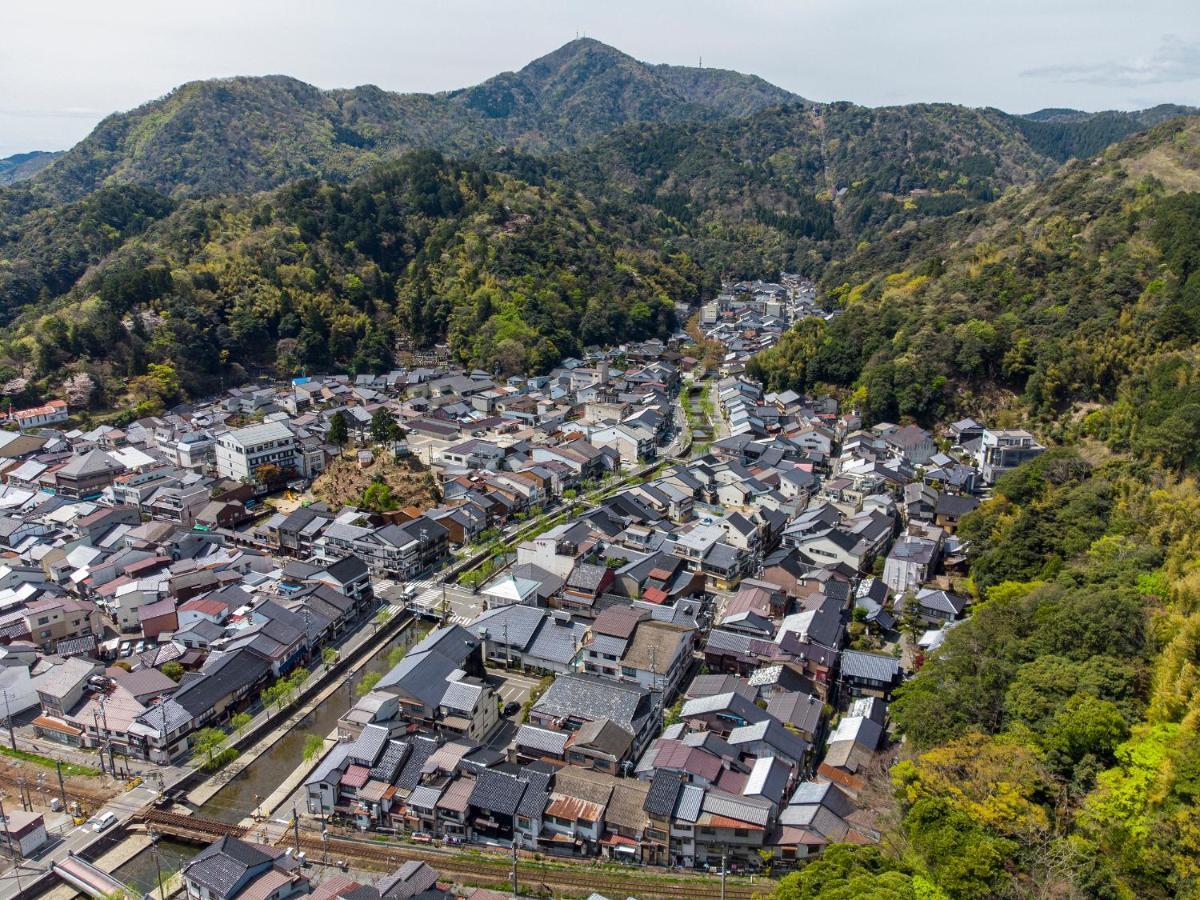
pixel 7 833
pixel 162 894
pixel 62 789
pixel 12 736
pixel 515 892
pixel 16 857
pixel 96 721
pixel 296 828
pixel 724 852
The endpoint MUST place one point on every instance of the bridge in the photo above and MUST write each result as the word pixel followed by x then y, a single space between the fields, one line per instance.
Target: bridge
pixel 83 876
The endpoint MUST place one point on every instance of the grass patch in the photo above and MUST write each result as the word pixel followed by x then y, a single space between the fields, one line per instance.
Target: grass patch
pixel 38 760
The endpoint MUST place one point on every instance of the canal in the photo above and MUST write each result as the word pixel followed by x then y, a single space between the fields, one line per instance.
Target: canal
pixel 255 783
pixel 140 872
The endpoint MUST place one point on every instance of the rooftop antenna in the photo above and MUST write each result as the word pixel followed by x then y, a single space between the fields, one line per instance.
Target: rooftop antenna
pixel 702 60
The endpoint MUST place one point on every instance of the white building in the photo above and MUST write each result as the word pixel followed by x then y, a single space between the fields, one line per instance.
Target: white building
pixel 241 451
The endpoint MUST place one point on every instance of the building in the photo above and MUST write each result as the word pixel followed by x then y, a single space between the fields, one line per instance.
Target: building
pixel 242 452
pixel 24 831
pixel 1000 451
pixel 230 868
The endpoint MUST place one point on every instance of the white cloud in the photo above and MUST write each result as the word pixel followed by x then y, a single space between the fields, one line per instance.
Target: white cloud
pixel 1175 61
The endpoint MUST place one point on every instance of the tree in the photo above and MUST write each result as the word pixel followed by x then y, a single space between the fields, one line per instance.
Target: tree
pixel 339 432
pixel 238 721
pixel 396 656
pixel 384 429
pixel 381 618
pixel 367 683
pixel 209 741
pixel 173 670
pixel 267 473
pixel 849 872
pixel 1084 725
pixel 378 497
pixel 329 656
pixel 313 745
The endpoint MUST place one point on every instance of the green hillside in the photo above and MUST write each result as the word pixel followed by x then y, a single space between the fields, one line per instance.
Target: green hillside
pixel 1053 296
pixel 318 276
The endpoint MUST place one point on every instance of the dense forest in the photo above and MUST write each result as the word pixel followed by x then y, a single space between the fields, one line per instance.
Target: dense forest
pixel 318 276
pixel 1054 297
pixel 143 246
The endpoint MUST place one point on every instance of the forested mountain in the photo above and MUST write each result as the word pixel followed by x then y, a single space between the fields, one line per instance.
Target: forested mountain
pixel 585 168
pixel 22 166
pixel 1063 134
pixel 318 276
pixel 250 134
pixel 1057 295
pixel 791 186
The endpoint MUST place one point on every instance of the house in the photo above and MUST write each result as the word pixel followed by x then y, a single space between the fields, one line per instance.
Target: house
pixel 912 444
pixel 158 617
pixel 934 606
pixel 1002 451
pixel 949 509
pixel 575 699
pixel 869 674
pixel 910 563
pixel 230 867
pixel 527 637
pixel 852 744
pixel 86 474
pixel 61 687
pixel 25 832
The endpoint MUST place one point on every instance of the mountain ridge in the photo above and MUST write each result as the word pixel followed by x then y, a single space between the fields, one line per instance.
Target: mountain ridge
pixel 275 128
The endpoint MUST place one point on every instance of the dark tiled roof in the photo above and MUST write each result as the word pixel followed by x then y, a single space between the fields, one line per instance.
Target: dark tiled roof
pixel 856 664
pixel 664 791
pixel 223 863
pixel 497 792
pixel 238 670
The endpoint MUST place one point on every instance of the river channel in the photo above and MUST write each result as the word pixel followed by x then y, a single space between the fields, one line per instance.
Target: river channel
pixel 257 781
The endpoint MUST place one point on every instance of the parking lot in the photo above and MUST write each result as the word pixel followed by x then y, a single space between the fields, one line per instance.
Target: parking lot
pixel 511 687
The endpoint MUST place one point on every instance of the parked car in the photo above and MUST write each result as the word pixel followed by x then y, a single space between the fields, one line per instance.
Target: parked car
pixel 103 821
pixel 511 707
pixel 126 648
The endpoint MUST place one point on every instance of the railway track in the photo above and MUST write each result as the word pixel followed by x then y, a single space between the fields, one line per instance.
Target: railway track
pixel 49 789
pixel 534 876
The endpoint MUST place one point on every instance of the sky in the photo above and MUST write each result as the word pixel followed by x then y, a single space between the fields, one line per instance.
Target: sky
pixel 65 65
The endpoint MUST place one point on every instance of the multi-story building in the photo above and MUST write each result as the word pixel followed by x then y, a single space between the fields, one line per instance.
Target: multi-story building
pixel 1000 451
pixel 241 452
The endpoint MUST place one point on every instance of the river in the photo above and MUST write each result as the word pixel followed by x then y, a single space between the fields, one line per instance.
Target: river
pixel 237 799
pixel 256 782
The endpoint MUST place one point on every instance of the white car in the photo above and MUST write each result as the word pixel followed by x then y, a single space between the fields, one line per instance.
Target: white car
pixel 103 822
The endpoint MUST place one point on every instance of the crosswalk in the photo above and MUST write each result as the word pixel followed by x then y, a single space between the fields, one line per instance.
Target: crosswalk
pixel 429 597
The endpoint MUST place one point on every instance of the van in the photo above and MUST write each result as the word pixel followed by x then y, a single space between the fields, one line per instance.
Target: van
pixel 103 822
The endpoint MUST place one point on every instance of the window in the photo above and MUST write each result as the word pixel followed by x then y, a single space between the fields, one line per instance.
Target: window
pixel 629 671
pixel 740 832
